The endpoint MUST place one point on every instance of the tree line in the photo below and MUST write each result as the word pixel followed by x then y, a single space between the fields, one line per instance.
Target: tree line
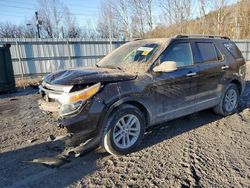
pixel 127 19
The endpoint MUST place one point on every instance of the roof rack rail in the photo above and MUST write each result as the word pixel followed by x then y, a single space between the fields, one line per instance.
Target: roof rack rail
pixel 135 39
pixel 202 36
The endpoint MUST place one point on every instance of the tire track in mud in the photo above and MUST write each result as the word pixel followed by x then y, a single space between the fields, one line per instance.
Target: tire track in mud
pixel 189 162
pixel 214 149
pixel 197 162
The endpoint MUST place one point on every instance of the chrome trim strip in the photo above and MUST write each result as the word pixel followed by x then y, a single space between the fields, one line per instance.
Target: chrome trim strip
pixel 62 88
pixel 50 93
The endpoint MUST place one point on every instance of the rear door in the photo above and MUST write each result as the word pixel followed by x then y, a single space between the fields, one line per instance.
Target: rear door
pixel 212 67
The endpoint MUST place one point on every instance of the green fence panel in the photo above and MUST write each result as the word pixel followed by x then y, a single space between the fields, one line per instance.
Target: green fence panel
pixel 7 80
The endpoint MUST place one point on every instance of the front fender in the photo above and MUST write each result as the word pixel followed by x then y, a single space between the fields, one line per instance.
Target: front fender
pixel 125 100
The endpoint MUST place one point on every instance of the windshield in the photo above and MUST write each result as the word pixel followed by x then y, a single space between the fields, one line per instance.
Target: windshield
pixel 133 56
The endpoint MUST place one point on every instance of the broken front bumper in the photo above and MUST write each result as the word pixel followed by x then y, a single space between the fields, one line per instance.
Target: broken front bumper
pixel 84 127
pixel 86 119
pixel 53 107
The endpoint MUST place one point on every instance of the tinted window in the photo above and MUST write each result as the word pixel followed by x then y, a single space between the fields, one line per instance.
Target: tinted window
pixel 180 53
pixel 233 49
pixel 207 51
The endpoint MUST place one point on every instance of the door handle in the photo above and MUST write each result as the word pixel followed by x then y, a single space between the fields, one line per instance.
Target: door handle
pixel 224 67
pixel 191 74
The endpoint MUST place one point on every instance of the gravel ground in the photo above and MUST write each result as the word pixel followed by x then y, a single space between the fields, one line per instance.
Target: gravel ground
pixel 199 150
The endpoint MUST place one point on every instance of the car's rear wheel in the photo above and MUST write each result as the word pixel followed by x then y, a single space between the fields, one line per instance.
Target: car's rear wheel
pixel 124 130
pixel 229 101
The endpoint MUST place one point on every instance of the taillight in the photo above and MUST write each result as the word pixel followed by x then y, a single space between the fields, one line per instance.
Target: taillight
pixel 242 71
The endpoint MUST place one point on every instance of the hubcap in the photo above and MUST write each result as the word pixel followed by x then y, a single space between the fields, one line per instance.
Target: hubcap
pixel 126 131
pixel 230 100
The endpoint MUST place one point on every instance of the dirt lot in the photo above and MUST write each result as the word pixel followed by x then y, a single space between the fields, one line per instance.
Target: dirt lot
pixel 202 149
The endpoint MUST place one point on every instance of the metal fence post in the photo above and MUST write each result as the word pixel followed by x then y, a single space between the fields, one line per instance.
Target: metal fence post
pixel 69 54
pixel 19 59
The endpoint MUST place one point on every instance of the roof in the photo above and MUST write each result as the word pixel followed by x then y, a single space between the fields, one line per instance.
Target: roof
pixel 202 36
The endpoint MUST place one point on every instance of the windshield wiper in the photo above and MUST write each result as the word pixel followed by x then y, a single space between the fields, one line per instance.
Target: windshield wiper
pixel 117 67
pixel 111 67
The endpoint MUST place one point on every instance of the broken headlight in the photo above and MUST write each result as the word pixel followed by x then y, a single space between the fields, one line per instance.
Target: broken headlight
pixel 72 102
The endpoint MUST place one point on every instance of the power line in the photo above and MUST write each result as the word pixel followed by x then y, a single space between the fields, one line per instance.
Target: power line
pixel 80 5
pixel 13 16
pixel 75 8
pixel 68 4
pixel 19 14
pixel 19 7
pixel 19 2
pixel 83 14
pixel 33 9
pixel 14 13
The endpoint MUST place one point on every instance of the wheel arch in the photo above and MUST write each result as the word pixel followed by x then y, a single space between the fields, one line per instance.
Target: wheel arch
pixel 142 106
pixel 238 84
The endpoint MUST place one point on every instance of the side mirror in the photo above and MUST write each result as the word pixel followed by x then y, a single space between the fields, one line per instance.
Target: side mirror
pixel 166 66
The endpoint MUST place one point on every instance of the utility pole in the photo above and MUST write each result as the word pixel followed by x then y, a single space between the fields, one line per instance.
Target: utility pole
pixel 181 14
pixel 37 25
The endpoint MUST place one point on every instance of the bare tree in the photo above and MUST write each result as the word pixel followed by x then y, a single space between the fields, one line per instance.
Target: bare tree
pixel 138 14
pixel 9 30
pixel 127 18
pixel 220 7
pixel 54 14
pixel 108 25
pixel 89 31
pixel 203 5
pixel 72 30
pixel 121 12
pixel 149 14
pixel 176 12
pixel 45 16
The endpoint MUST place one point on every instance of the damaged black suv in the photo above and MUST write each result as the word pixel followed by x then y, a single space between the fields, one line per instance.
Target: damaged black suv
pixel 144 83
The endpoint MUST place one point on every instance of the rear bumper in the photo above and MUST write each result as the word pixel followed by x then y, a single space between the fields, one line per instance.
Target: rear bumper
pixel 243 86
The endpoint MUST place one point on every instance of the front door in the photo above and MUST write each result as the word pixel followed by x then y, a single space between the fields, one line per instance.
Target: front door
pixel 173 93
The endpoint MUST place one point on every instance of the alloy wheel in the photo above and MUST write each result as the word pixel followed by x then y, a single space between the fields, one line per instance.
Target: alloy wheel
pixel 126 131
pixel 230 100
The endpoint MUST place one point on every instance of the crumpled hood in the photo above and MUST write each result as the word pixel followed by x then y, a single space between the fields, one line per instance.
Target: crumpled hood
pixel 87 75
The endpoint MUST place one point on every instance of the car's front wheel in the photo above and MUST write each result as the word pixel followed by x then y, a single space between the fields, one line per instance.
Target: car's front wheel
pixel 124 130
pixel 229 101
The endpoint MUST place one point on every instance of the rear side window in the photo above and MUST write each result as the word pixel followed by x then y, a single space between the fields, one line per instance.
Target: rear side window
pixel 207 51
pixel 233 49
pixel 219 55
pixel 180 53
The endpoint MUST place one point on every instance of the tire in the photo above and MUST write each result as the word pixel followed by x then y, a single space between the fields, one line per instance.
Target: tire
pixel 223 107
pixel 129 135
